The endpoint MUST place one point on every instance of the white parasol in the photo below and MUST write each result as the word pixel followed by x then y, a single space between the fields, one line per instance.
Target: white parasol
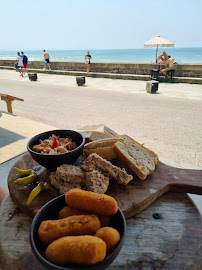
pixel 158 42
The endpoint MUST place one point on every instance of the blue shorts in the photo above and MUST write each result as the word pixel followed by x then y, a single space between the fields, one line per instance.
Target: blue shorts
pixel 47 60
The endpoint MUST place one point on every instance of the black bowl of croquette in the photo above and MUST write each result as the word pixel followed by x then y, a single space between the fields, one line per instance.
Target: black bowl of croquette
pixel 50 211
pixel 43 151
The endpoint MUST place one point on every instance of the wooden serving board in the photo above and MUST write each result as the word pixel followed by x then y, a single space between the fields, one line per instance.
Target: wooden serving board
pixel 171 242
pixel 132 198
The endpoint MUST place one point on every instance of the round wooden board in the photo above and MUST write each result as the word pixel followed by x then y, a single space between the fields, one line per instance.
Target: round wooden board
pixel 171 242
pixel 20 198
pixel 132 198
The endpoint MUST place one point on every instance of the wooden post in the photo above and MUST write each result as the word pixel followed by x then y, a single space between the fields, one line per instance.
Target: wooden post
pixel 8 99
pixel 9 106
pixel 156 56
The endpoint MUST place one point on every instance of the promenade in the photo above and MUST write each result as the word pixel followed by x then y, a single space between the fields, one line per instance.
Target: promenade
pixel 168 122
pixel 184 73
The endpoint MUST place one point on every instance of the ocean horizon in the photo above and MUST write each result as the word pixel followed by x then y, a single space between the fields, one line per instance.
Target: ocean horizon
pixel 147 55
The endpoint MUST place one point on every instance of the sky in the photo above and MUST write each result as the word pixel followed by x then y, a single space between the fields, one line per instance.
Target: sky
pixel 105 24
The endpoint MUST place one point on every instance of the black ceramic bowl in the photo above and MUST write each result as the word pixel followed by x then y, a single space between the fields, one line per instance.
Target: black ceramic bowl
pixel 51 162
pixel 50 211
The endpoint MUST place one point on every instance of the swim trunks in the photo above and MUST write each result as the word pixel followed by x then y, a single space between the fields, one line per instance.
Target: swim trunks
pixel 47 60
pixel 168 69
pixel 25 65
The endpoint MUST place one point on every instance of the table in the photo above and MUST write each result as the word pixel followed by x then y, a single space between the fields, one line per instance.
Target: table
pixel 166 235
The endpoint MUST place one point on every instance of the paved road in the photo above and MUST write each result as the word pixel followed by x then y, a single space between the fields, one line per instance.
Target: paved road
pixel 168 122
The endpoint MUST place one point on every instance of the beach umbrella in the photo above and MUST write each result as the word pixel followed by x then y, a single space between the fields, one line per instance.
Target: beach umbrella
pixel 158 42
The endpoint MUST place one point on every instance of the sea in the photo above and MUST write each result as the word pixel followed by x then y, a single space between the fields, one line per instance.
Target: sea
pixel 147 55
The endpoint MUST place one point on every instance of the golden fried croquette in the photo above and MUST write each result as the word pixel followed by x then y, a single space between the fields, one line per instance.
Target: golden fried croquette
pixel 76 249
pixel 110 236
pixel 51 230
pixel 100 204
pixel 104 220
pixel 69 211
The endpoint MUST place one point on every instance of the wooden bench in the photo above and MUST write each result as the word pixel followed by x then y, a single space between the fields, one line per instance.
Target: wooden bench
pixel 8 99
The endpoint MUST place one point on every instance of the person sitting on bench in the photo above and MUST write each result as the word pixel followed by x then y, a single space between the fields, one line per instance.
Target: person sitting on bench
pixel 170 63
pixel 163 58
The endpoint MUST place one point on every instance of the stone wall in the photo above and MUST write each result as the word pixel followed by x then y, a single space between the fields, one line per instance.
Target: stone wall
pixel 182 70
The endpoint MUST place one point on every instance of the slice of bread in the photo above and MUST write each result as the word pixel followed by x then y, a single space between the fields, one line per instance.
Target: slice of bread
pixel 96 181
pixel 91 136
pixel 153 155
pixel 98 135
pixel 136 158
pixel 104 148
pixel 86 135
pixel 110 132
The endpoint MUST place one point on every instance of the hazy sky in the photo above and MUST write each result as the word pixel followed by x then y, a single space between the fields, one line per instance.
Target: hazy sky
pixel 105 24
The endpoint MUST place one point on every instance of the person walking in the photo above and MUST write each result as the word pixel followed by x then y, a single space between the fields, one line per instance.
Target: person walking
pixel 46 59
pixel 19 63
pixel 25 61
pixel 87 61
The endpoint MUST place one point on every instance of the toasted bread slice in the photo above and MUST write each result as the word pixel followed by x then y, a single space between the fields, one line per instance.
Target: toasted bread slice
pixel 91 136
pixel 104 148
pixel 98 135
pixel 107 152
pixel 110 132
pixel 153 155
pixel 136 158
pixel 86 135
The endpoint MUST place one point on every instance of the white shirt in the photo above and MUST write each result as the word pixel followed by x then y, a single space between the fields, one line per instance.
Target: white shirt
pixel 20 61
